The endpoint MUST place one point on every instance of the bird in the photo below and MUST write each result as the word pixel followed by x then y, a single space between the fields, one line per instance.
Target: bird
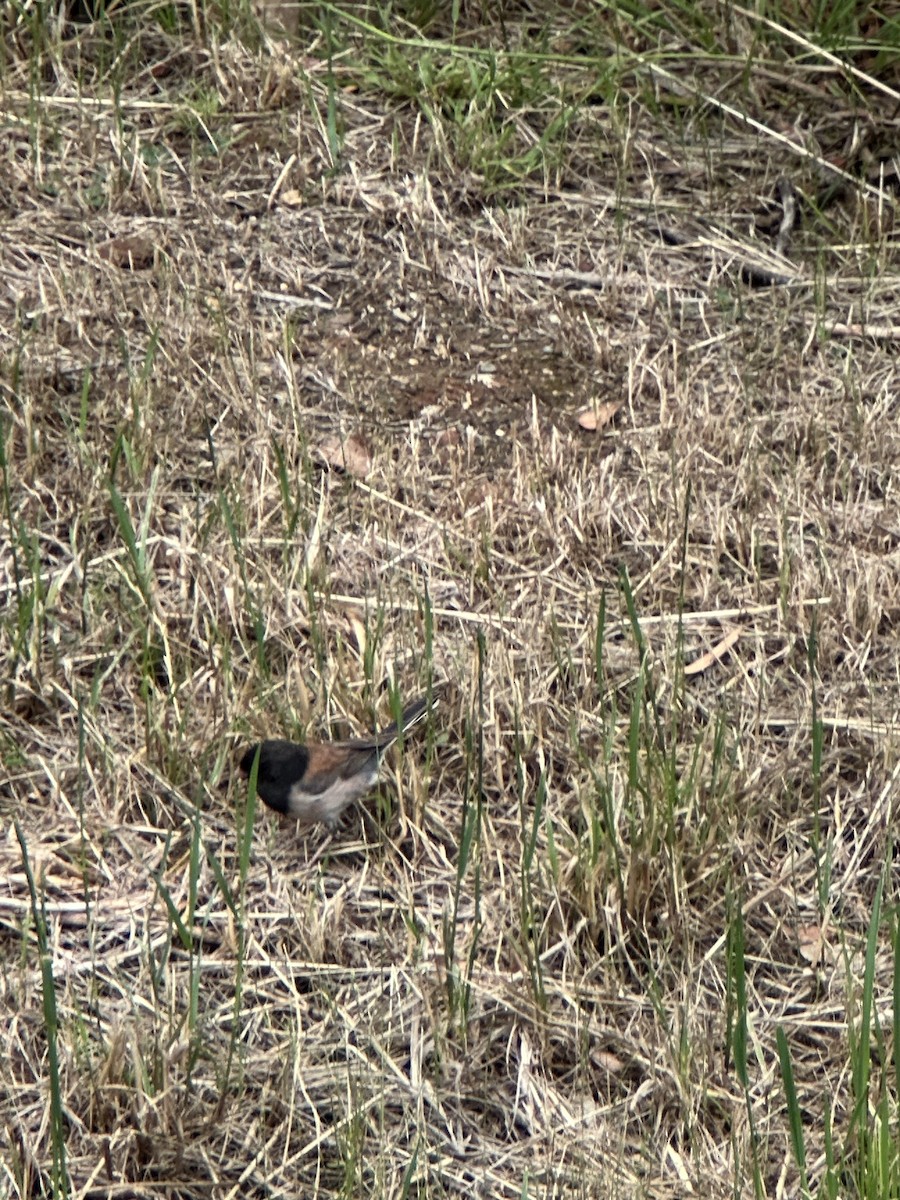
pixel 316 781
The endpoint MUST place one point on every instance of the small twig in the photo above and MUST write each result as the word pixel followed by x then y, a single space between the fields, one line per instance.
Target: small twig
pixel 562 275
pixel 879 333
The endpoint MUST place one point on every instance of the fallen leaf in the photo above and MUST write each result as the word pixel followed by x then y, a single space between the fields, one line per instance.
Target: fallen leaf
pixel 610 1061
pixel 355 618
pixel 448 437
pixel 713 656
pixel 131 252
pixel 812 943
pixel 349 454
pixel 482 491
pixel 598 415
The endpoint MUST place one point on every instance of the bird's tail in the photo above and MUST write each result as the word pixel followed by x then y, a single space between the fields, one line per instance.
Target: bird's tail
pixel 413 712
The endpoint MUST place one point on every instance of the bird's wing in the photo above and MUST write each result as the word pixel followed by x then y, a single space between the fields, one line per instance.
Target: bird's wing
pixel 333 761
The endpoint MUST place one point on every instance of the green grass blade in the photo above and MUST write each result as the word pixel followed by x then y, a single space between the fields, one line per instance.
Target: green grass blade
pixel 795 1117
pixel 51 1027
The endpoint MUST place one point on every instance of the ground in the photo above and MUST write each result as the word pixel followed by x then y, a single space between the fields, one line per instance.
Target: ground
pixel 543 362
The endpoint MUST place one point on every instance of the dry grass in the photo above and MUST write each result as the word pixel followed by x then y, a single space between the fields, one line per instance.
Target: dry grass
pixel 520 971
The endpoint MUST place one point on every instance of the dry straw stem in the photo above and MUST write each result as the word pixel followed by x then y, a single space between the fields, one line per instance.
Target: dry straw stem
pixel 511 972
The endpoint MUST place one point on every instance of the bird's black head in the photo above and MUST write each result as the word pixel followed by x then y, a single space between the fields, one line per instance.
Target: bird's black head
pixel 281 765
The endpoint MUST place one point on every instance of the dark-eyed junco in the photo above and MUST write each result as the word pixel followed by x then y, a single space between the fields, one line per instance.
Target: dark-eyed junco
pixel 315 782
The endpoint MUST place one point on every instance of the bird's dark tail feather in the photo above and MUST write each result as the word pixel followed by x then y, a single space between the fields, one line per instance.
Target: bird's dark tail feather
pixel 412 713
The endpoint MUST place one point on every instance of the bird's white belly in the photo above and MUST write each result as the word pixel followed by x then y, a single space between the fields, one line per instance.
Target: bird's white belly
pixel 327 806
